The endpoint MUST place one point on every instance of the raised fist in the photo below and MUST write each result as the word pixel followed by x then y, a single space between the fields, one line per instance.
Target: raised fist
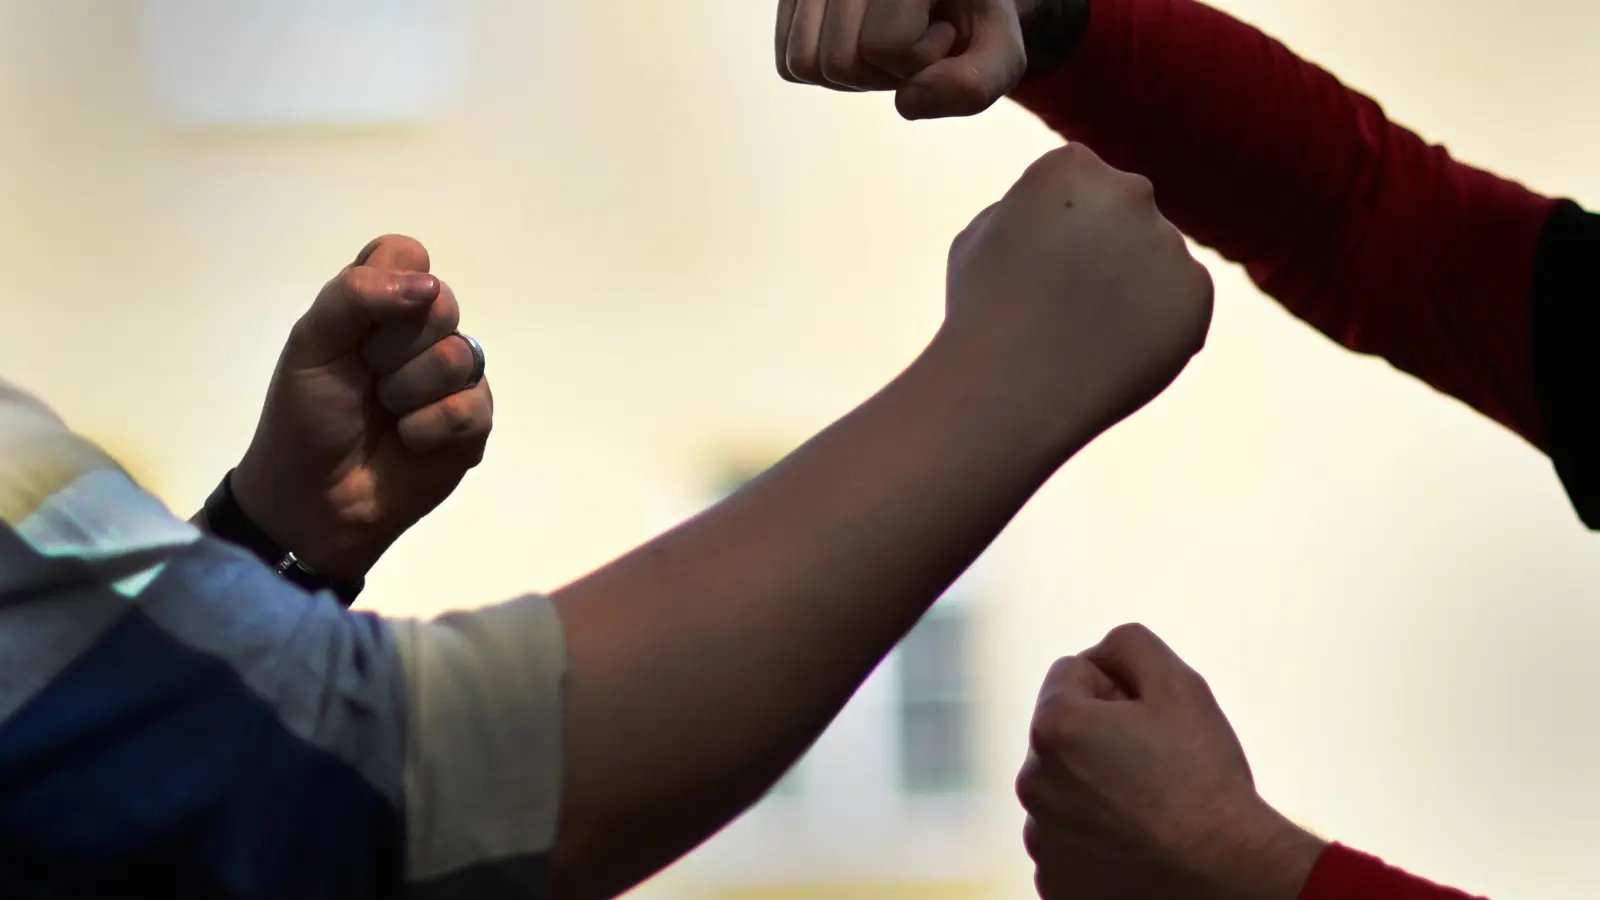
pixel 1079 290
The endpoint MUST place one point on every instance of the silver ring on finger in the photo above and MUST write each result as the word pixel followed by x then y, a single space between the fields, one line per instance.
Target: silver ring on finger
pixel 479 362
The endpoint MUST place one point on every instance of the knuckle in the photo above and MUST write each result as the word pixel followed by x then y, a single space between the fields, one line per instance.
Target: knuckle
pixel 1068 165
pixel 303 330
pixel 803 66
pixel 958 247
pixel 1026 787
pixel 964 242
pixel 455 361
pixel 1033 838
pixel 1077 155
pixel 839 67
pixel 1138 188
pixel 457 416
pixel 1061 669
pixel 1053 733
pixel 1134 635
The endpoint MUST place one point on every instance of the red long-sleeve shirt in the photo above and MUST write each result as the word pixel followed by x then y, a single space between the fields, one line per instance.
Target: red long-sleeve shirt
pixel 1471 282
pixel 1383 242
pixel 1345 874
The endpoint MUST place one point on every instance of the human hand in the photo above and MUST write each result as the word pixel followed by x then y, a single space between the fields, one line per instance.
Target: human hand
pixel 372 419
pixel 1136 786
pixel 941 57
pixel 1077 292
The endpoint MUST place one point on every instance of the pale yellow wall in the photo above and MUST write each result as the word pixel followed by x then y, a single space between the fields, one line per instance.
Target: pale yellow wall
pixel 1390 594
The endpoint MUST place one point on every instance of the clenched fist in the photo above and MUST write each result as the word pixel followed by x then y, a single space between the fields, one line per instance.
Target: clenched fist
pixel 1078 291
pixel 941 57
pixel 374 416
pixel 1136 787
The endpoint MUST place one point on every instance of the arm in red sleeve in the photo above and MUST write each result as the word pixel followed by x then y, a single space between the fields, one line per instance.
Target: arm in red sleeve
pixel 1384 243
pixel 1344 874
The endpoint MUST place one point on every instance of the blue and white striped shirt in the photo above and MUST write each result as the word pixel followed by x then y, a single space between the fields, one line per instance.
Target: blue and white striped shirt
pixel 177 722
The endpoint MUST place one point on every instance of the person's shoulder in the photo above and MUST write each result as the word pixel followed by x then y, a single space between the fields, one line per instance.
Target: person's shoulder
pixel 68 512
pixel 17 404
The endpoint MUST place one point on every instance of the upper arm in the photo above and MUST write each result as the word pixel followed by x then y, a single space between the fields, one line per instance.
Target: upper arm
pixel 483 766
pixel 1566 351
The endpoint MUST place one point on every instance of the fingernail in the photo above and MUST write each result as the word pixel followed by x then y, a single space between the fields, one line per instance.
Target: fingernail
pixel 419 286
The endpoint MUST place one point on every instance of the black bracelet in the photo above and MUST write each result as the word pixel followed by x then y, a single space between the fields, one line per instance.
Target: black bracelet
pixel 227 520
pixel 1051 32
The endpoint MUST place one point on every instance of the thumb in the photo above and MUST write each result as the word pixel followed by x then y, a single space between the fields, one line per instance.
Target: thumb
pixel 991 65
pixel 353 304
pixel 394 251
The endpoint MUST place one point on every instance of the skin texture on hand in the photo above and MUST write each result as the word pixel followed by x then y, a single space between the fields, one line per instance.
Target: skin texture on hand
pixel 701 665
pixel 370 422
pixel 1136 786
pixel 941 57
pixel 1073 226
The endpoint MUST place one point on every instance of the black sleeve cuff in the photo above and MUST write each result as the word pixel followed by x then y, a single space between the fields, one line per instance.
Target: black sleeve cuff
pixel 1051 32
pixel 227 521
pixel 1566 351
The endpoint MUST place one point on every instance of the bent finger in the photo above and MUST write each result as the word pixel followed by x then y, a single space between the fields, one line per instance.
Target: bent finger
pixel 446 368
pixel 461 421
pixel 902 38
pixel 393 344
pixel 965 85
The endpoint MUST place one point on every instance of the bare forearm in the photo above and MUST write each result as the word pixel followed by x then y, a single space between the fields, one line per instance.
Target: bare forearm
pixel 703 664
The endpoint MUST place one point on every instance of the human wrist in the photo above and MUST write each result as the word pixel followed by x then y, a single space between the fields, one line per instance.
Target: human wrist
pixel 340 552
pixel 979 380
pixel 1051 31
pixel 1268 857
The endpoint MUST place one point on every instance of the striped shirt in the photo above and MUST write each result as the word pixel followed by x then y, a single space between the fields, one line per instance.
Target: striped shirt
pixel 178 722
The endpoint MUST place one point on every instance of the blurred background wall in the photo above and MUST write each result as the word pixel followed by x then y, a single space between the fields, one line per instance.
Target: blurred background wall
pixel 681 267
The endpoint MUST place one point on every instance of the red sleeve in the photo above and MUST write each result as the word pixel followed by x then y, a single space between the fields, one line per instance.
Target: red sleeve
pixel 1353 223
pixel 1344 874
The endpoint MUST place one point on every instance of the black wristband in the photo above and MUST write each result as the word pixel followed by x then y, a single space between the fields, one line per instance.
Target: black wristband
pixel 227 521
pixel 1050 34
